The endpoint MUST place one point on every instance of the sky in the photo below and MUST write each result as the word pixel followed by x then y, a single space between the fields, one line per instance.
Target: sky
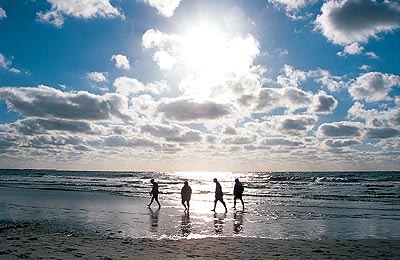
pixel 190 85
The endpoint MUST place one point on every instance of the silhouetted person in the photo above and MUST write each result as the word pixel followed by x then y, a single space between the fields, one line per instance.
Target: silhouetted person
pixel 154 193
pixel 218 195
pixel 186 193
pixel 238 193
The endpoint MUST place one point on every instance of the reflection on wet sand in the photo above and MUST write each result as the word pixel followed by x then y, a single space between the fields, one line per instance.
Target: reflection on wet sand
pixel 186 225
pixel 238 222
pixel 154 220
pixel 219 220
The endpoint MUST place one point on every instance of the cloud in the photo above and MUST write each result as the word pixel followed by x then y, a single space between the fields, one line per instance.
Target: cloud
pixel 344 22
pixel 280 142
pixel 323 103
pixel 191 110
pixel 51 17
pixel 46 102
pixel 292 76
pixel 97 76
pixel 238 140
pixel 5 64
pixel 121 61
pixel 295 125
pixel 351 49
pixel 332 143
pixel 373 86
pixel 290 97
pixel 339 129
pixel 33 126
pixel 129 142
pixel 78 9
pixel 228 130
pixel 172 133
pixel 205 51
pixel 292 6
pixel 130 86
pixel 375 118
pixel 164 7
pixel 3 13
pixel 381 133
pixel 332 83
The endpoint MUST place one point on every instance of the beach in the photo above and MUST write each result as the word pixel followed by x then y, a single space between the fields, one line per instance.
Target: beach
pixel 75 215
pixel 34 241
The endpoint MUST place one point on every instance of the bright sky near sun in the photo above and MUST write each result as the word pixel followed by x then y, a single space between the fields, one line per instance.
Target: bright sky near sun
pixel 182 85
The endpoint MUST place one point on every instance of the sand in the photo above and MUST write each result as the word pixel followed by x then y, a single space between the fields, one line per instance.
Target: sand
pixel 36 241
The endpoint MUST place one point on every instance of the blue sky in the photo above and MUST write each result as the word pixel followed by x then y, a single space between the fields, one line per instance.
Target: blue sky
pixel 200 85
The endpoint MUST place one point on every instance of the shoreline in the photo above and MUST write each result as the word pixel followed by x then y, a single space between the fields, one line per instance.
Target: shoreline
pixel 35 241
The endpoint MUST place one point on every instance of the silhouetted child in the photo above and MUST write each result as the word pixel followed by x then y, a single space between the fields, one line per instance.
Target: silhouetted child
pixel 238 193
pixel 218 195
pixel 186 193
pixel 154 193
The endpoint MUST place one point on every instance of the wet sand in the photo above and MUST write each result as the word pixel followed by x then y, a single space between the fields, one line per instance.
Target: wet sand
pixel 37 241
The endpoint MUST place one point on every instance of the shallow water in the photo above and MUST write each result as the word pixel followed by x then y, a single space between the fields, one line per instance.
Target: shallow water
pixel 278 205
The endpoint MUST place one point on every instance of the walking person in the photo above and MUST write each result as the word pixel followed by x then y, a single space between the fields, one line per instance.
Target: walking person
pixel 186 193
pixel 219 195
pixel 238 193
pixel 154 193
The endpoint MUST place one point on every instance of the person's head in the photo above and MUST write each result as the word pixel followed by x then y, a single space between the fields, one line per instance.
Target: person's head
pixel 152 180
pixel 186 183
pixel 236 180
pixel 215 180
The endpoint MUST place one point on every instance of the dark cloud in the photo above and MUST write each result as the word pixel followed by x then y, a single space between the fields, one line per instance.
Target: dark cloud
pixel 297 125
pixel 280 142
pixel 192 136
pixel 46 102
pixel 324 103
pixel 173 133
pixel 237 140
pixel 189 110
pixel 338 129
pixel 348 21
pixel 229 131
pixel 130 142
pixel 340 143
pixel 382 133
pixel 31 126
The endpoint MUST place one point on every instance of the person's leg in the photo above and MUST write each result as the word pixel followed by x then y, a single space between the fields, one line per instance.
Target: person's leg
pixel 188 205
pixel 159 205
pixel 234 202
pixel 183 203
pixel 215 204
pixel 151 201
pixel 223 203
pixel 241 199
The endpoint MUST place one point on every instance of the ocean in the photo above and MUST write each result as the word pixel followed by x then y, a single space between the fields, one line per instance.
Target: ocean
pixel 311 205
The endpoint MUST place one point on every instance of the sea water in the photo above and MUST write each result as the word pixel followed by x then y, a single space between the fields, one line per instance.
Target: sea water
pixel 277 204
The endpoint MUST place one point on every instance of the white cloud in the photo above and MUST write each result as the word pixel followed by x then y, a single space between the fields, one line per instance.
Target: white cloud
pixel 5 64
pixel 346 21
pixel 172 132
pixel 372 55
pixel 373 86
pixel 376 118
pixel 164 7
pixel 130 86
pixel 79 9
pixel 332 83
pixel 292 76
pixel 121 61
pixel 292 6
pixel 97 76
pixel 365 67
pixel 51 17
pixel 3 13
pixel 351 49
